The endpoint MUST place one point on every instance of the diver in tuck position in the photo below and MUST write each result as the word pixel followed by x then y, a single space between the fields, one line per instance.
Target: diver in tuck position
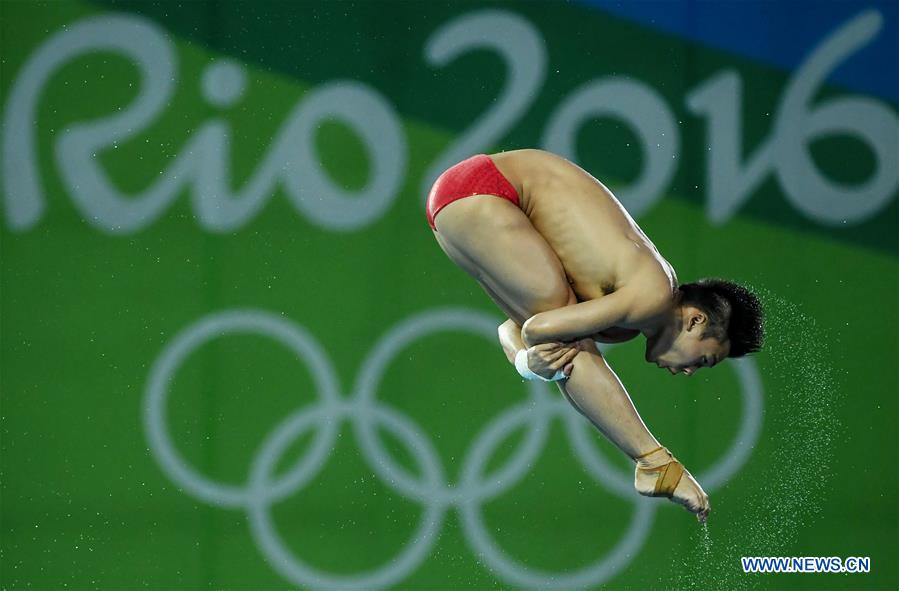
pixel 564 260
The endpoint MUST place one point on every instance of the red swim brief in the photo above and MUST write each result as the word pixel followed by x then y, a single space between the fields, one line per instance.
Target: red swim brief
pixel 477 175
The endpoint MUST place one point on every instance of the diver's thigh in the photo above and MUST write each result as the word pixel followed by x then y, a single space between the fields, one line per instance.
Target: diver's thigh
pixel 505 253
pixel 471 268
pixel 507 308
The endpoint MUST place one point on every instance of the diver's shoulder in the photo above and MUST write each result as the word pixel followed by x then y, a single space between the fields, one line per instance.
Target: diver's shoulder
pixel 651 290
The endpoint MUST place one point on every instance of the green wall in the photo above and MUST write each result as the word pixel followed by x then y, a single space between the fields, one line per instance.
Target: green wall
pixel 232 355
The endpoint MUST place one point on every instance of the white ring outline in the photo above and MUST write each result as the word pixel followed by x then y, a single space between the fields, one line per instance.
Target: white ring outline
pixel 292 568
pixel 362 409
pixel 220 324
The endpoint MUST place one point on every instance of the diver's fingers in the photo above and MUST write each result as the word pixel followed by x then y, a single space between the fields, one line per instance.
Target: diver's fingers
pixel 565 359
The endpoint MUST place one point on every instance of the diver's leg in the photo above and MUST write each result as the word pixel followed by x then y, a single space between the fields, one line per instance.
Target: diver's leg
pixel 595 390
pixel 493 240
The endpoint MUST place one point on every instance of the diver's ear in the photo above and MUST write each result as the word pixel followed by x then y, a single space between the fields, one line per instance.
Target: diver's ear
pixel 695 318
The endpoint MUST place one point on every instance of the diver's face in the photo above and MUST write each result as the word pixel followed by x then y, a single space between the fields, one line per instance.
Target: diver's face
pixel 685 351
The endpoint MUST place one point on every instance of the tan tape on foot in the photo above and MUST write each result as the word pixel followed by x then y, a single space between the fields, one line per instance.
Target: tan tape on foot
pixel 668 479
pixel 663 463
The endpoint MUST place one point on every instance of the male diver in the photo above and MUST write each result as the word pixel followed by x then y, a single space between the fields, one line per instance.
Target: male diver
pixel 559 254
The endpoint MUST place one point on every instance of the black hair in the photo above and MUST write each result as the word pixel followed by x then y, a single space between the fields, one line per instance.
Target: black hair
pixel 734 313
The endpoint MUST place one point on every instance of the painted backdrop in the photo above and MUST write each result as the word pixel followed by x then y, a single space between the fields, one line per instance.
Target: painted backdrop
pixel 232 356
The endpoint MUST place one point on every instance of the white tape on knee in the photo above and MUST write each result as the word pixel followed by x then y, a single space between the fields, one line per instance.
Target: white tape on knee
pixel 521 364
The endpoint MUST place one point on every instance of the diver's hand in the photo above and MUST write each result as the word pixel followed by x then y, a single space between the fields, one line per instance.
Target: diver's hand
pixel 688 492
pixel 546 359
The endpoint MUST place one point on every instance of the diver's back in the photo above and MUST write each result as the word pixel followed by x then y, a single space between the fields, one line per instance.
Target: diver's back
pixel 588 228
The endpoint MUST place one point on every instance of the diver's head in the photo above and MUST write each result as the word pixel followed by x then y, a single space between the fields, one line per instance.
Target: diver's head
pixel 712 319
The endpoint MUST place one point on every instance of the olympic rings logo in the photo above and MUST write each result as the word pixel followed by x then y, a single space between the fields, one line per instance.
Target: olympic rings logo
pixel 366 414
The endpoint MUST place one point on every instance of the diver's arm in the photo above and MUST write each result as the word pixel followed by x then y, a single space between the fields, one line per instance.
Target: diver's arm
pixel 580 320
pixel 571 322
pixel 545 359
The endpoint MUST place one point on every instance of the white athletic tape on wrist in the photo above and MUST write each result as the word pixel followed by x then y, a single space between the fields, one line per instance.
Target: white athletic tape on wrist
pixel 521 364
